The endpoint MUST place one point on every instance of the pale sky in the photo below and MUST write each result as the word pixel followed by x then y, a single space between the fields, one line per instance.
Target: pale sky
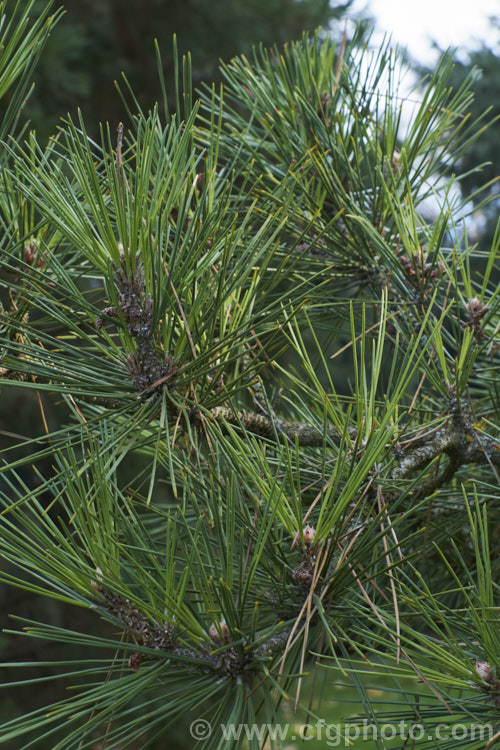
pixel 452 23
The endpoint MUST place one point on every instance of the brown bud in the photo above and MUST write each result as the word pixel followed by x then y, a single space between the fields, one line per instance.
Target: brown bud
pixel 29 253
pixel 97 583
pixel 135 660
pixel 309 534
pixel 483 668
pixel 219 633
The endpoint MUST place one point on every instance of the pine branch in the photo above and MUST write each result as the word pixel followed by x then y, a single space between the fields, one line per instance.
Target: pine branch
pixel 461 447
pixel 259 424
pixel 223 660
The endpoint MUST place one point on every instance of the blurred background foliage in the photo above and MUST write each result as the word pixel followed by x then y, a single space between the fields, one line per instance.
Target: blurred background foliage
pixel 99 40
pixel 484 61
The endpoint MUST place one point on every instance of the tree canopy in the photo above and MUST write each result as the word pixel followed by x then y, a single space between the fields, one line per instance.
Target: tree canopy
pixel 97 42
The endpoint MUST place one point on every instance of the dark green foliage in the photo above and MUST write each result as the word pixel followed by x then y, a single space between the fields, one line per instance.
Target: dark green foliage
pixel 96 42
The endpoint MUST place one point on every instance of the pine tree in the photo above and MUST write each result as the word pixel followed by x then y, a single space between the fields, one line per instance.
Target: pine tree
pixel 280 448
